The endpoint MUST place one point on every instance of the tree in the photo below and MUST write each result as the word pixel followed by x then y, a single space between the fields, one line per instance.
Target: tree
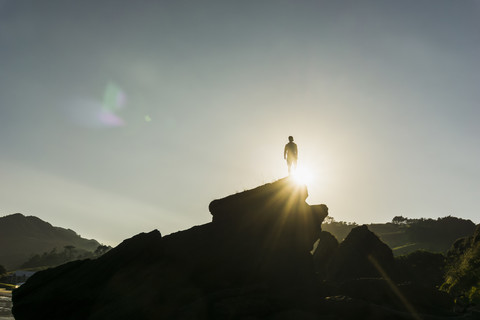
pixel 399 220
pixel 3 271
pixel 69 249
pixel 328 219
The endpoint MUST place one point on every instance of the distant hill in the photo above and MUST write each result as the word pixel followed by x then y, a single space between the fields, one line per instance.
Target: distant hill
pixel 405 235
pixel 21 237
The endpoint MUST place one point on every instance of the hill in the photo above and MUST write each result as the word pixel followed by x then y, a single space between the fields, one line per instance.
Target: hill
pixel 255 260
pixel 24 236
pixel 405 235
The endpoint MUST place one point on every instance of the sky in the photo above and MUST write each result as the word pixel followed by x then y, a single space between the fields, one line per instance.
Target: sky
pixel 119 117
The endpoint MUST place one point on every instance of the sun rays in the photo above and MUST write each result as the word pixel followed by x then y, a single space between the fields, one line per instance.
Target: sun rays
pixel 302 175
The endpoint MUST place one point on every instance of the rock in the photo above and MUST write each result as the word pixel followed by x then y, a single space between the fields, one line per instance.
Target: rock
pixel 252 261
pixel 427 299
pixel 259 237
pixel 421 267
pixel 78 289
pixel 326 247
pixel 406 297
pixel 347 308
pixel 274 224
pixel 362 254
pixel 275 215
pixel 262 203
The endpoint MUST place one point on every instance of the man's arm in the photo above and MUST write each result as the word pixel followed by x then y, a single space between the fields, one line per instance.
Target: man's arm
pixel 285 152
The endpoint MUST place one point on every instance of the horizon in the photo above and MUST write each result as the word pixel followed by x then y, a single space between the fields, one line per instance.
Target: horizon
pixel 120 119
pixel 296 181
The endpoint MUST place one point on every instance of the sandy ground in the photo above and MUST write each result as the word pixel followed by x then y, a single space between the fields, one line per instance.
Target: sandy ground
pixel 5 293
pixel 6 305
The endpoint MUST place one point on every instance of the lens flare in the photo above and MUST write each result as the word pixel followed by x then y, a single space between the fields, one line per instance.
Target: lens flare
pixel 99 113
pixel 110 119
pixel 113 100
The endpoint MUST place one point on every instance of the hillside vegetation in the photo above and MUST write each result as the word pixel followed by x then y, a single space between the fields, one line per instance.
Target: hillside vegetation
pixel 404 235
pixel 23 237
pixel 462 278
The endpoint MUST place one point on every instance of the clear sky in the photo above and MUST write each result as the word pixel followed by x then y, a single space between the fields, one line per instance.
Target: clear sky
pixel 118 117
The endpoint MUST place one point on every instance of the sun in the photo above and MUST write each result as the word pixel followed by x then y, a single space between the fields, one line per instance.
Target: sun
pixel 302 175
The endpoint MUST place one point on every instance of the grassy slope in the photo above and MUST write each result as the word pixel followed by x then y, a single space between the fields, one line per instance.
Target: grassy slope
pixel 420 234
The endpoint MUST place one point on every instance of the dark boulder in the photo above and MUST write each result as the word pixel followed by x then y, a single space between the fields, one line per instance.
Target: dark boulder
pixel 405 297
pixel 325 249
pixel 274 224
pixel 262 203
pixel 421 267
pixel 79 289
pixel 362 254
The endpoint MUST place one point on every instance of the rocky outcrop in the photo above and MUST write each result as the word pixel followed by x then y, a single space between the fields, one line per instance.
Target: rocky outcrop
pixel 81 289
pixel 261 237
pixel 272 222
pixel 252 261
pixel 362 269
pixel 422 267
pixel 361 254
pixel 260 203
pixel 325 249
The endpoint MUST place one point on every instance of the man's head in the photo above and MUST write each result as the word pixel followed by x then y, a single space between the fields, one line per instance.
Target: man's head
pixel 290 138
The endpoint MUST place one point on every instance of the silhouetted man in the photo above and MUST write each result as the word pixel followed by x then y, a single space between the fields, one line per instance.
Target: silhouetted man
pixel 290 153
